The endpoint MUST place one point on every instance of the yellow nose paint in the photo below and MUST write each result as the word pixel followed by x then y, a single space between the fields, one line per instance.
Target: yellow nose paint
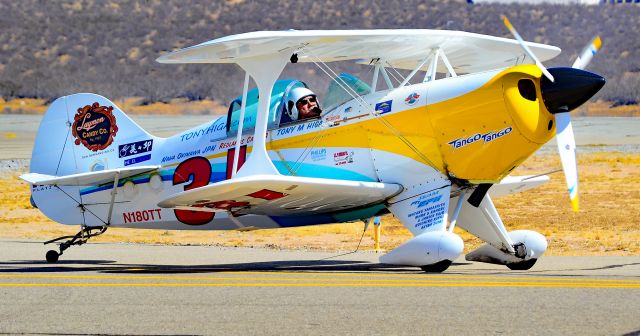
pixel 486 133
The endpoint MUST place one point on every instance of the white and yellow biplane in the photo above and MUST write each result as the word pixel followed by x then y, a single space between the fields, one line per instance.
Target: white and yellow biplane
pixel 431 147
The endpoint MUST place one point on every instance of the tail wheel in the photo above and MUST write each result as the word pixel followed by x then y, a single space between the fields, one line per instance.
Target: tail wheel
pixel 522 265
pixel 52 256
pixel 438 267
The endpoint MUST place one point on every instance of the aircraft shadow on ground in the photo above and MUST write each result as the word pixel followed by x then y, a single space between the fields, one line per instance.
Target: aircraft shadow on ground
pixel 107 266
pixel 338 266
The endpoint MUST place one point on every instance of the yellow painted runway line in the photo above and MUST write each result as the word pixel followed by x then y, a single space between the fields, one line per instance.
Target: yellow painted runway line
pixel 424 275
pixel 450 284
pixel 313 276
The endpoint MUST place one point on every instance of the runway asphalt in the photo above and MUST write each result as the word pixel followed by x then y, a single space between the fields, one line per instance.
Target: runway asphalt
pixel 122 289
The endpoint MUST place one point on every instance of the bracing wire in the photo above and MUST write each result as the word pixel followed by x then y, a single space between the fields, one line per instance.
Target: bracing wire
pixel 368 108
pixel 396 71
pixel 352 252
pixel 80 204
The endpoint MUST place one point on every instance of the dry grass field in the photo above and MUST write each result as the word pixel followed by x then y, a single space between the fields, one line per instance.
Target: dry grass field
pixel 607 224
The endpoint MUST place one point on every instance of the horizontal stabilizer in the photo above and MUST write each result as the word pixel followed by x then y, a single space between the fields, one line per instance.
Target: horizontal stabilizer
pixel 86 179
pixel 515 184
pixel 279 195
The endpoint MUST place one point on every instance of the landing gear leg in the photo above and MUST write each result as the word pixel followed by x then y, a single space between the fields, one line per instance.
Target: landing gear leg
pixel 79 239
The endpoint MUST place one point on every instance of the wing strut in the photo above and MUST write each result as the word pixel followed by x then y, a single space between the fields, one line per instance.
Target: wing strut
pixel 387 80
pixel 432 70
pixel 491 215
pixel 374 81
pixel 408 78
pixel 433 67
pixel 265 70
pixel 114 191
pixel 236 154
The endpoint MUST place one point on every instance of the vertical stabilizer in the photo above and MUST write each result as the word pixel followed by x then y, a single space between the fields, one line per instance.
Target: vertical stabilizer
pixel 83 133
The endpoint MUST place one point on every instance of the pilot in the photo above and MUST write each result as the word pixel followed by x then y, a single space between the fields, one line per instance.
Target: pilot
pixel 303 104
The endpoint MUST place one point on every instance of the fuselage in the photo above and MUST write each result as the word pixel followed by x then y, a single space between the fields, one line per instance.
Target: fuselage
pixel 474 128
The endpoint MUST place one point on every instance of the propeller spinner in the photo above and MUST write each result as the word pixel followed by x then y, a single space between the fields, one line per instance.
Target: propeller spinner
pixel 564 89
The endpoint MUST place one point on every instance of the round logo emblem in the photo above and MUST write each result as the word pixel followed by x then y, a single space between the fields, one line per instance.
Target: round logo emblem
pixel 412 98
pixel 94 126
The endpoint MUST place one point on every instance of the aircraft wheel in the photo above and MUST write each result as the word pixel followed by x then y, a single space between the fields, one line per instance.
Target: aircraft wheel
pixel 438 267
pixel 52 256
pixel 522 265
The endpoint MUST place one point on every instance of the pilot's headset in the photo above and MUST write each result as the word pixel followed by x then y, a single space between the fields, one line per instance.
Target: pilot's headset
pixel 295 95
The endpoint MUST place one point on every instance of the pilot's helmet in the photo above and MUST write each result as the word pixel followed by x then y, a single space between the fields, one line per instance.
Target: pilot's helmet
pixel 294 96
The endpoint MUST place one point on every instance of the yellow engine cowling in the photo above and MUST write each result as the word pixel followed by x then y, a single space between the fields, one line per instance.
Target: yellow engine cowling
pixel 486 133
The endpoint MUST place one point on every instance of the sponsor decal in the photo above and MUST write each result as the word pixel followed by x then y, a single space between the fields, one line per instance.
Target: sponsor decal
pixel 99 153
pixel 138 159
pixel 423 201
pixel 94 126
pixel 141 216
pixel 487 137
pixel 99 165
pixel 35 187
pixel 216 126
pixel 412 98
pixel 384 107
pixel 210 148
pixel 342 158
pixel 232 143
pixel 318 154
pixel 430 210
pixel 348 109
pixel 333 118
pixel 135 148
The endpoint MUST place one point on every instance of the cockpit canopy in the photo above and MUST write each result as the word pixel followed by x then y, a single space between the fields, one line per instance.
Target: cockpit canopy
pixel 278 95
pixel 343 89
pixel 335 96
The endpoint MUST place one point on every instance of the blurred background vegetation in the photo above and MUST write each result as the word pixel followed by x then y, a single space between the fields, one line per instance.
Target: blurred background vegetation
pixel 53 48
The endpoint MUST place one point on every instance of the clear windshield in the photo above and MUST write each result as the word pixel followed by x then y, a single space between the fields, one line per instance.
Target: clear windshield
pixel 337 95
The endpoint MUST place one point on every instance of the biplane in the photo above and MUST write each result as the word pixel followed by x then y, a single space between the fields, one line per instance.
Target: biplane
pixel 431 138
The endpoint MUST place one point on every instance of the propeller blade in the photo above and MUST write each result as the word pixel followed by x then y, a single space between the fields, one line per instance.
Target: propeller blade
pixel 587 53
pixel 567 150
pixel 526 48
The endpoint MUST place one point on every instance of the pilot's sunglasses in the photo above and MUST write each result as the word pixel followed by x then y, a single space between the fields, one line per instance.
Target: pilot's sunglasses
pixel 307 100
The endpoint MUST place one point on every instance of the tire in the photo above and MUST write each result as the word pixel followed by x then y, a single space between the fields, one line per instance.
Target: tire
pixel 438 267
pixel 522 265
pixel 52 256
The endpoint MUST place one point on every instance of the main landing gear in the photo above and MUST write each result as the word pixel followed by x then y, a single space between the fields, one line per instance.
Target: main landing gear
pixel 79 239
pixel 438 267
pixel 522 265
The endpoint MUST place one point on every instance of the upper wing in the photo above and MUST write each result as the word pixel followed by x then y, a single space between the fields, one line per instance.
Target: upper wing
pixel 281 195
pixel 403 48
pixel 85 179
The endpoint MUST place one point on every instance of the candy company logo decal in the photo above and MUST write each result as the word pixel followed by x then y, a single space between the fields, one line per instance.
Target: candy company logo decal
pixel 94 126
